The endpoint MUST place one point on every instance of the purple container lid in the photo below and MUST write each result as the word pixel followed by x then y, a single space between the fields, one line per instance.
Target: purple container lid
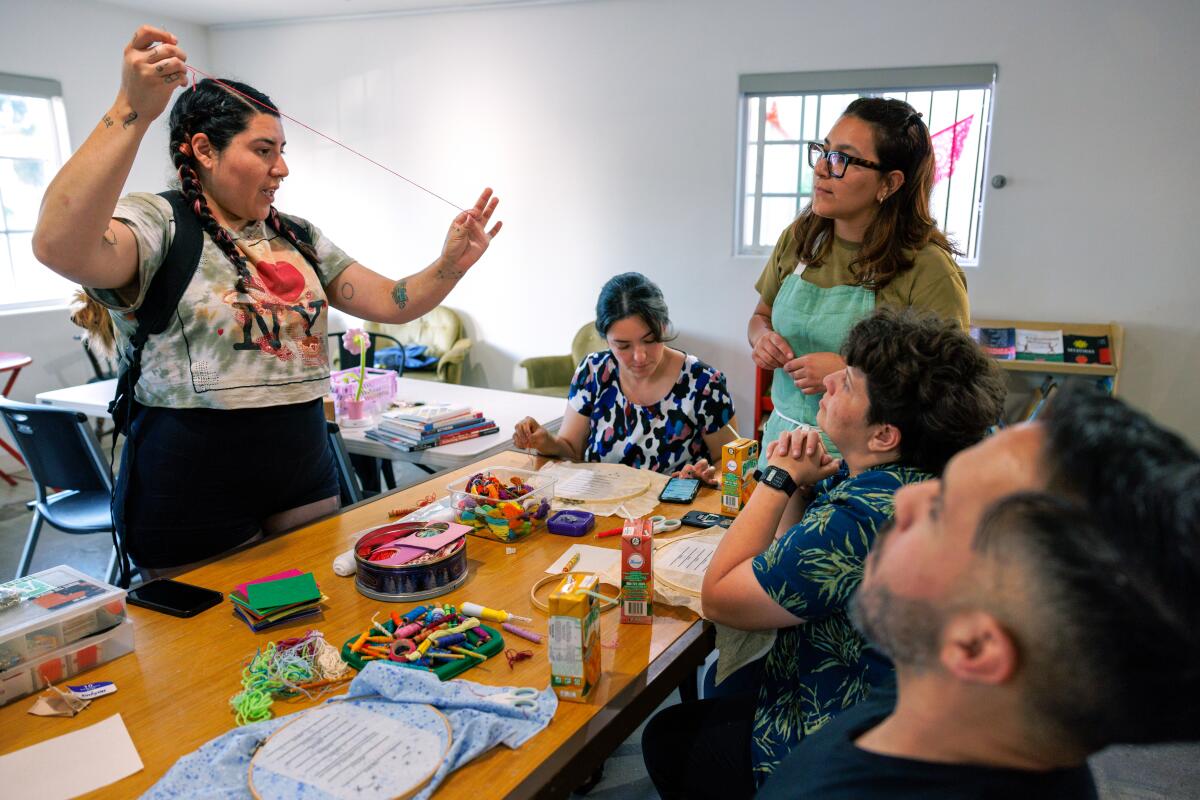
pixel 571 523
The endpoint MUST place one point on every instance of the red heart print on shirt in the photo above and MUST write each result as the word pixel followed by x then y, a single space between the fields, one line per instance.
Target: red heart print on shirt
pixel 281 279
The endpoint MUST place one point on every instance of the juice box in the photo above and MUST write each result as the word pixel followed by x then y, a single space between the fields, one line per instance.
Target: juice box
pixel 738 461
pixel 637 572
pixel 575 638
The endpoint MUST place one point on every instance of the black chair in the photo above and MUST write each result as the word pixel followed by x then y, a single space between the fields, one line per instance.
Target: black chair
pixel 347 478
pixel 348 360
pixel 62 452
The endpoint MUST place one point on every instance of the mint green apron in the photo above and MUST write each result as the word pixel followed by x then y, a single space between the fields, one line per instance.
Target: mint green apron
pixel 812 320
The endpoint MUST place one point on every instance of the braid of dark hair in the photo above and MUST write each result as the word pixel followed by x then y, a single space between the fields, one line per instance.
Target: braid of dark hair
pixel 193 193
pixel 305 249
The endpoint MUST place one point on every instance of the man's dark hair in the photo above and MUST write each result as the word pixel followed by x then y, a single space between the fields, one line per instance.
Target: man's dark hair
pixel 929 379
pixel 1114 549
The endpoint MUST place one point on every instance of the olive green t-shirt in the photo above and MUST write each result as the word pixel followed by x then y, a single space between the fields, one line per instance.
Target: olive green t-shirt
pixel 935 283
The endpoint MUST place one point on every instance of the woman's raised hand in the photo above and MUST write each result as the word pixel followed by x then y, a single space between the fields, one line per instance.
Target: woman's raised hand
pixel 152 70
pixel 469 237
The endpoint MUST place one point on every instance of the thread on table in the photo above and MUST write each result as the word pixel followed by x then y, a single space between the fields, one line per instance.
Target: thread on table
pixel 273 110
pixel 285 669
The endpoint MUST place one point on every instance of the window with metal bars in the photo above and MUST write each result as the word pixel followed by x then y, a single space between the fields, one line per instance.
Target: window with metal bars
pixel 780 112
pixel 33 146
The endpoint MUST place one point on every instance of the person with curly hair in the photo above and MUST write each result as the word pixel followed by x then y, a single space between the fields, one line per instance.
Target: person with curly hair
pixel 915 391
pixel 226 423
pixel 1039 604
pixel 867 239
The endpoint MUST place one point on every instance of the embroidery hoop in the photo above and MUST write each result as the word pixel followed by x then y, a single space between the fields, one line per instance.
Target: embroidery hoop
pixel 663 545
pixel 630 482
pixel 406 792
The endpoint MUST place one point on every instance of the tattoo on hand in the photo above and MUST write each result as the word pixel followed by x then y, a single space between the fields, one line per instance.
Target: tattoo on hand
pixel 158 67
pixel 400 293
pixel 347 291
pixel 110 236
pixel 133 115
pixel 108 121
pixel 446 272
pixel 174 76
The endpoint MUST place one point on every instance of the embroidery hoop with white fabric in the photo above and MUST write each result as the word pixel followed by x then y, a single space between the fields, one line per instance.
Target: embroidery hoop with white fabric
pixel 627 491
pixel 390 774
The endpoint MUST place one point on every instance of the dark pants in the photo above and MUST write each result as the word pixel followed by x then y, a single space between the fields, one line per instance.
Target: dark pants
pixel 196 482
pixel 702 749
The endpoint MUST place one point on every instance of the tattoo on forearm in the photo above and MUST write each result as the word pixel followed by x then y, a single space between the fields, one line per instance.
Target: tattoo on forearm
pixel 347 290
pixel 108 121
pixel 129 120
pixel 446 272
pixel 110 236
pixel 400 293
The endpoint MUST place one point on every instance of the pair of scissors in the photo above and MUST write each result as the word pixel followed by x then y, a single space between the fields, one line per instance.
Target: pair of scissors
pixel 520 697
pixel 663 525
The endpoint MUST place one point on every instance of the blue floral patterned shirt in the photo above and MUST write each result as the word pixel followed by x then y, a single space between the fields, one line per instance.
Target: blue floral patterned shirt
pixel 663 436
pixel 823 666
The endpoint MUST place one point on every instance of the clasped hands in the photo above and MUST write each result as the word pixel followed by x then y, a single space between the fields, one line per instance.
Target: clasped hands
pixel 801 453
pixel 772 351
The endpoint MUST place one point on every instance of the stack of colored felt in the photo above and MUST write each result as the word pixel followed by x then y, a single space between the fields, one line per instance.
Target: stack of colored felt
pixel 276 599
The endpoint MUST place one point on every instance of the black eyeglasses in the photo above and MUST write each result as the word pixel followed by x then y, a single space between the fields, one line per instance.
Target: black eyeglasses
pixel 837 160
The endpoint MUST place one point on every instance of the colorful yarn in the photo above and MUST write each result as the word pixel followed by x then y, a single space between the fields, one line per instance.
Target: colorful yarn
pixel 286 669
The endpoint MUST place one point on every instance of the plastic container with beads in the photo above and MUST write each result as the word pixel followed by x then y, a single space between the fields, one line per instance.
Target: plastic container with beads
pixel 66 662
pixel 502 503
pixel 53 609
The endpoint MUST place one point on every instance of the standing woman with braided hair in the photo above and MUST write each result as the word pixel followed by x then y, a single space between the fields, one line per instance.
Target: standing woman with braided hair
pixel 227 435
pixel 866 239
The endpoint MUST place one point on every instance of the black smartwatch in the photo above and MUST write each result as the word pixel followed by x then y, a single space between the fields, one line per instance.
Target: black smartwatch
pixel 776 478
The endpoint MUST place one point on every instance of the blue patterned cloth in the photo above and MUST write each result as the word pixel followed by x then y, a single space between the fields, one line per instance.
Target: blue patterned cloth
pixel 220 767
pixel 664 436
pixel 821 667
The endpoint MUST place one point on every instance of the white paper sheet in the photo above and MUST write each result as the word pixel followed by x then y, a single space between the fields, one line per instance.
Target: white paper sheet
pixel 74 763
pixel 603 561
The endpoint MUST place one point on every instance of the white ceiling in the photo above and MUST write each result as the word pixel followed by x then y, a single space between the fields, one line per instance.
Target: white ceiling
pixel 240 12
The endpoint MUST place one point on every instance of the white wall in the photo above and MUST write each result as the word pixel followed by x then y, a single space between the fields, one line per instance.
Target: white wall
pixel 80 45
pixel 608 129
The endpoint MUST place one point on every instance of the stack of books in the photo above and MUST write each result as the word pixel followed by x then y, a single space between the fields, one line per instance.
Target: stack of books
pixel 276 599
pixel 432 425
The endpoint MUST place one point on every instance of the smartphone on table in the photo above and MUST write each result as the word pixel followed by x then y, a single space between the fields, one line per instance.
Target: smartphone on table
pixel 705 519
pixel 173 597
pixel 680 490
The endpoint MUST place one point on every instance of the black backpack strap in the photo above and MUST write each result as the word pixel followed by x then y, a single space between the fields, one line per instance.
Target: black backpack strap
pixel 303 234
pixel 158 306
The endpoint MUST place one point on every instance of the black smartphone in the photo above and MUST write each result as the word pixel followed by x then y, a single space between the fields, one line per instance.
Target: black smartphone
pixel 680 490
pixel 705 519
pixel 174 598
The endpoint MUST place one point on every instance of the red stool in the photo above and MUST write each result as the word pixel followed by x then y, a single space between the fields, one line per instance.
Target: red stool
pixel 13 362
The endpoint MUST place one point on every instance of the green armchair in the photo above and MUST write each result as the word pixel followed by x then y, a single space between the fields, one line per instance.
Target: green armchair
pixel 441 331
pixel 551 375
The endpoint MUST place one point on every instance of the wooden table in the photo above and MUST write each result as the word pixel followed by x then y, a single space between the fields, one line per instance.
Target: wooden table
pixel 174 689
pixel 505 408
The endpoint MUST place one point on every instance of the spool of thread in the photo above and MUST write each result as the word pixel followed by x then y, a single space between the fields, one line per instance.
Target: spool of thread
pixel 408 631
pixel 536 638
pixel 483 635
pixel 412 616
pixel 450 639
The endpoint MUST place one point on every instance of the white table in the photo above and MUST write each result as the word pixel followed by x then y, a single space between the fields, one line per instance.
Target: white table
pixel 505 408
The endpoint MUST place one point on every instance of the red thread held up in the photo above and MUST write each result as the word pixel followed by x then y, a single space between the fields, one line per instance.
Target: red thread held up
pixel 243 95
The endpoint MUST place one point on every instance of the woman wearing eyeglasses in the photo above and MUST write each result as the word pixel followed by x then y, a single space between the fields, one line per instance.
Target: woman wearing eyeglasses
pixel 866 239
